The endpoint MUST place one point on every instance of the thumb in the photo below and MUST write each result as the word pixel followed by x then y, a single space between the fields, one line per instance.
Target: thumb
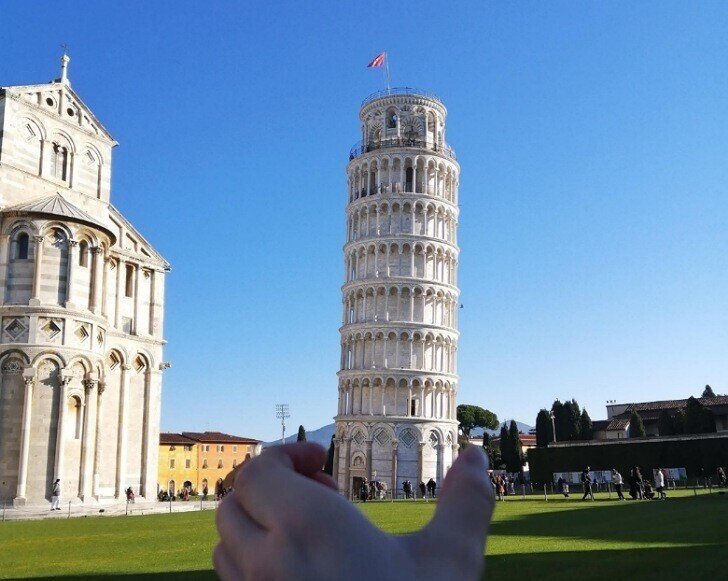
pixel 465 505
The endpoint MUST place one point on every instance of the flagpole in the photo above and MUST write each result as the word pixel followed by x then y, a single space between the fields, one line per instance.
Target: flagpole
pixel 386 68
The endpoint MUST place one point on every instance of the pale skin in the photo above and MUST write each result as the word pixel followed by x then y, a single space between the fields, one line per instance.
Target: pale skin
pixel 285 520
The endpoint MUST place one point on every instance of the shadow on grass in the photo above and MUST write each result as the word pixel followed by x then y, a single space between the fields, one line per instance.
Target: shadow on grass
pixel 685 520
pixel 697 562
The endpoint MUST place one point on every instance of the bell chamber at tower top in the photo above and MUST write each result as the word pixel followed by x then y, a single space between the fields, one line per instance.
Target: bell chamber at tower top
pixel 403 148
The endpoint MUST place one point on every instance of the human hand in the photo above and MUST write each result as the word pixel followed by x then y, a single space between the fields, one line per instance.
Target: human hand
pixel 285 520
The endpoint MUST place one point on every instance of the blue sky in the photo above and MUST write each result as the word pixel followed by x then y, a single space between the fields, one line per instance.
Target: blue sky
pixel 592 139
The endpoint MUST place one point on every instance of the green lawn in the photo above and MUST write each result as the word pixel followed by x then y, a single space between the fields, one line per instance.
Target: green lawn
pixel 685 537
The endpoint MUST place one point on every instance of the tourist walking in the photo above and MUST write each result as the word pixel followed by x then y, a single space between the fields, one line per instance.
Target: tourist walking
pixel 364 491
pixel 720 473
pixel 635 483
pixel 407 488
pixel 617 481
pixel 431 487
pixel 660 484
pixel 586 481
pixel 205 492
pixel 499 487
pixel 423 489
pixel 56 495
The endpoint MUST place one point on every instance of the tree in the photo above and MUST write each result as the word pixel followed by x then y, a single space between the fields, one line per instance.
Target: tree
pixel 473 416
pixel 585 425
pixel 544 429
pixel 329 466
pixel 486 439
pixel 665 424
pixel 636 427
pixel 561 421
pixel 505 450
pixel 515 452
pixel 494 456
pixel 708 392
pixel 574 419
pixel 301 434
pixel 698 418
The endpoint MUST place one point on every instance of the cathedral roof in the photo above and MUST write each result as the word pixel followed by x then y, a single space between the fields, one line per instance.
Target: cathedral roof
pixel 58 207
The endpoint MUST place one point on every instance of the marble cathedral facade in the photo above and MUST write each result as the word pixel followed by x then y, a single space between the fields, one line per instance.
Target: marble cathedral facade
pixel 81 310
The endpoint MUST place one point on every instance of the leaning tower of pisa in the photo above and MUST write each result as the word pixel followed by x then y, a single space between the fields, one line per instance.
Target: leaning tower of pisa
pixel 398 379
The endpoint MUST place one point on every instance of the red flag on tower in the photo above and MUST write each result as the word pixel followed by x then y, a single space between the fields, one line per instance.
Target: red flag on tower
pixel 377 61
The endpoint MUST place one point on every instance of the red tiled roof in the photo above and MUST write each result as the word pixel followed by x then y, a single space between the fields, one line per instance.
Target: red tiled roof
pixel 673 404
pixel 170 438
pixel 598 425
pixel 618 424
pixel 215 437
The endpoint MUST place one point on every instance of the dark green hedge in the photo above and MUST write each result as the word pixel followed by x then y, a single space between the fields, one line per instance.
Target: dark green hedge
pixel 698 457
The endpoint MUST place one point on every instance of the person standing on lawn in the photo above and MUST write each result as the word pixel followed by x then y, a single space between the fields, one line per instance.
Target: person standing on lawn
pixel 660 484
pixel 586 481
pixel 56 495
pixel 617 481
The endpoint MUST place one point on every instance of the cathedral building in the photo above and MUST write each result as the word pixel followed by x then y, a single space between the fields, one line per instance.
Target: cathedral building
pixel 81 310
pixel 396 418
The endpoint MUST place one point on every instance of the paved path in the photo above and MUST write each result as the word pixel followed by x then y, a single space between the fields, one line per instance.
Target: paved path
pixel 104 509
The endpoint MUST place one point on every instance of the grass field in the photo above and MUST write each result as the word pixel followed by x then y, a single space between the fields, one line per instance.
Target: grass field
pixel 683 538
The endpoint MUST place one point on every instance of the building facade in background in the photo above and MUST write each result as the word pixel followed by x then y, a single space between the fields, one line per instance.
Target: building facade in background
pixel 194 460
pixel 81 309
pixel 398 379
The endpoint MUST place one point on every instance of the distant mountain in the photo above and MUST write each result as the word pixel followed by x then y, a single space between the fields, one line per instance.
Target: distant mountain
pixel 323 435
pixel 523 428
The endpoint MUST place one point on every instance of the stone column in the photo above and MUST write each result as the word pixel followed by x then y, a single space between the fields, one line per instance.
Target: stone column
pixel 66 377
pixel 440 463
pixel 335 467
pixel 97 446
pixel 369 459
pixel 394 468
pixel 71 273
pixel 455 449
pixel 89 431
pixel 151 438
pixel 420 463
pixel 137 288
pixel 347 467
pixel 37 264
pixel 122 436
pixel 29 377
pixel 104 288
pixel 120 268
pixel 96 281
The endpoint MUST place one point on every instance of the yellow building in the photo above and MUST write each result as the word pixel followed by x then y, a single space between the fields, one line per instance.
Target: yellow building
pixel 195 460
pixel 177 463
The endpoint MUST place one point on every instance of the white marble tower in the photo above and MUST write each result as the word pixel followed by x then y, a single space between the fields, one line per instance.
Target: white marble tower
pixel 396 417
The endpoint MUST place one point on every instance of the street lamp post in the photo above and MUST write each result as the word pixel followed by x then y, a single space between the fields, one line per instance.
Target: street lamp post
pixel 282 414
pixel 553 424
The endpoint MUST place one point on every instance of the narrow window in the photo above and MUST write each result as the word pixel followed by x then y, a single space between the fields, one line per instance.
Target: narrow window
pixel 235 463
pixel 129 286
pixel 21 251
pixel 408 179
pixel 83 254
pixel 188 463
pixel 235 448
pixel 391 119
pixel 204 464
pixel 413 408
pixel 219 464
pixel 59 162
pixel 171 463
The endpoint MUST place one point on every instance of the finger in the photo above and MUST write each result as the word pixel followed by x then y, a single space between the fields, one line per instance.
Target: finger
pixel 271 487
pixel 466 503
pixel 326 480
pixel 225 566
pixel 239 534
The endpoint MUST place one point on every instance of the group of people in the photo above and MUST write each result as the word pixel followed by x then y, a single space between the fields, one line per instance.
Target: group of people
pixel 502 485
pixel 639 487
pixel 373 490
pixel 378 490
